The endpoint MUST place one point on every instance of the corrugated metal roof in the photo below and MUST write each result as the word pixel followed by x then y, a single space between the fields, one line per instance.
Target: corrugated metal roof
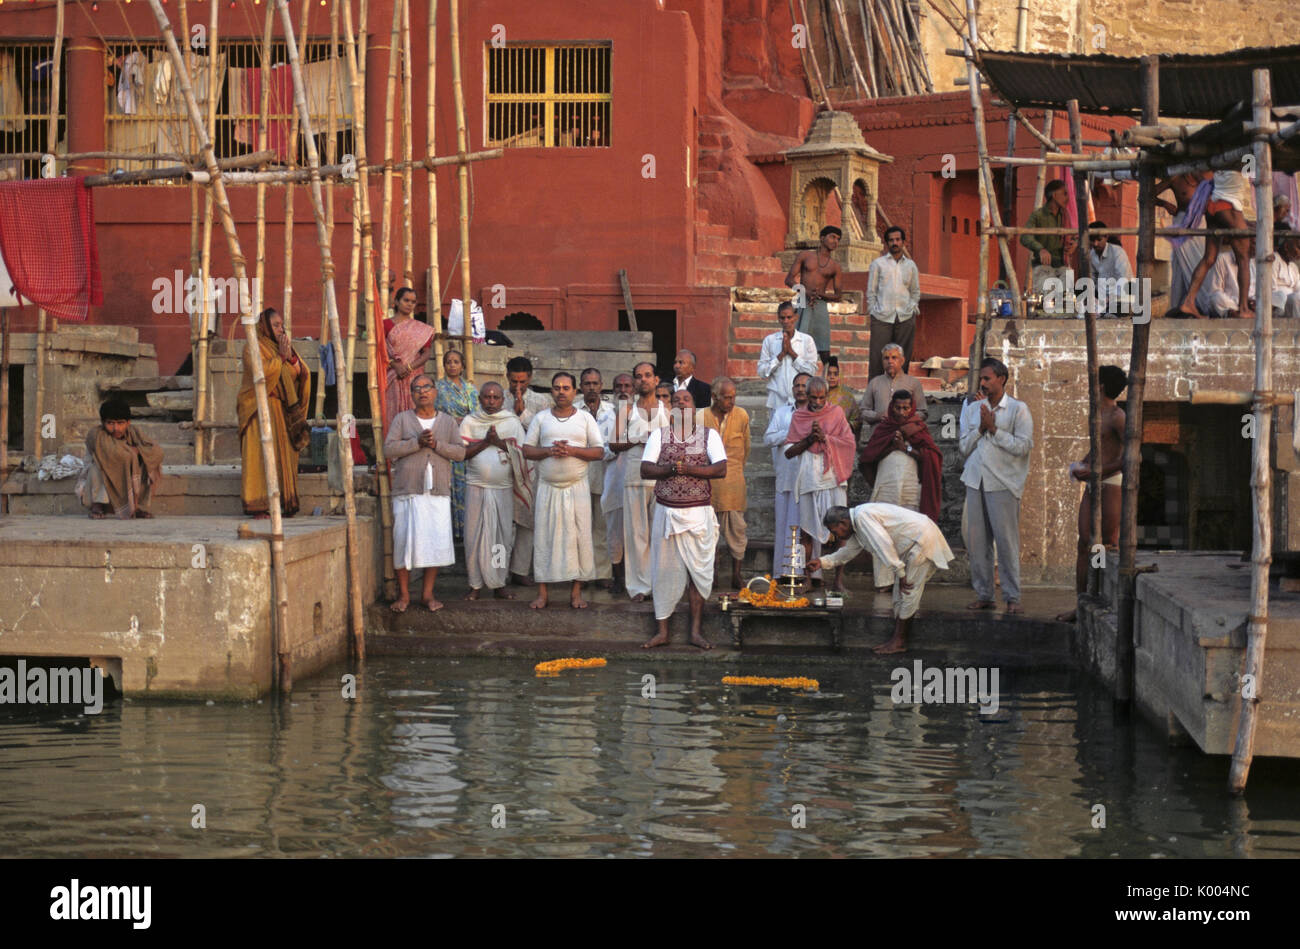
pixel 1203 87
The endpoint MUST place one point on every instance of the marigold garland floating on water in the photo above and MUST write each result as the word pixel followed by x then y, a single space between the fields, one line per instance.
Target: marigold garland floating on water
pixel 556 666
pixel 770 599
pixel 791 682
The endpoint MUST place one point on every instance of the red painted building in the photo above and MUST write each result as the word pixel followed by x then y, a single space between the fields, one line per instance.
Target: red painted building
pixel 645 135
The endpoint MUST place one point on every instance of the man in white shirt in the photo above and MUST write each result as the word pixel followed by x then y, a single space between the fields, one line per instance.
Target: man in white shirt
pixel 1111 274
pixel 611 498
pixel 995 435
pixel 681 458
pixel 785 354
pixel 525 403
pixel 786 470
pixel 1286 277
pixel 646 415
pixel 905 543
pixel 893 299
pixel 591 384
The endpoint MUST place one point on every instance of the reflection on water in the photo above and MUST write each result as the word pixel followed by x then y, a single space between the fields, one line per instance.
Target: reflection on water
pixel 440 757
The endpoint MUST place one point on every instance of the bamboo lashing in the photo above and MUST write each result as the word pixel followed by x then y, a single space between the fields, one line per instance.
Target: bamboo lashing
pixel 462 178
pixel 361 197
pixel 1243 750
pixel 282 668
pixel 331 303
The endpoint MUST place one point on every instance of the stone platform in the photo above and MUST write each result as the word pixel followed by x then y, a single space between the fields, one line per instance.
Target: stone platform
pixel 1191 635
pixel 177 607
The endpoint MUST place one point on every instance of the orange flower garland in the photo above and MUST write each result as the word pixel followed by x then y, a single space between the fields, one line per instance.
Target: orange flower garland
pixel 792 682
pixel 770 600
pixel 555 666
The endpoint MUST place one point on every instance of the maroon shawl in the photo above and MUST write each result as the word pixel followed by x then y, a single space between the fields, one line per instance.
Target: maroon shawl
pixel 929 460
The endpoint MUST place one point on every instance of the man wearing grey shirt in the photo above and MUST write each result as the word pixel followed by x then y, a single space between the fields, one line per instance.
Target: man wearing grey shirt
pixel 996 434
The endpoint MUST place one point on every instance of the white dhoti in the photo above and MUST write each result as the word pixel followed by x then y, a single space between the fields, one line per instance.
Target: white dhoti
pixel 684 542
pixel 896 483
pixel 600 541
pixel 489 535
pixel 422 532
pixel 562 547
pixel 521 557
pixel 906 604
pixel 638 514
pixel 813 506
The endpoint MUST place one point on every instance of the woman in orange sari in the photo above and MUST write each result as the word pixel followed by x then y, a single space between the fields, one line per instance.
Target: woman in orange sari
pixel 409 344
pixel 288 382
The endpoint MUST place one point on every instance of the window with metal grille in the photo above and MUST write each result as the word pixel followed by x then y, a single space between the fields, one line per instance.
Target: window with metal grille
pixel 26 74
pixel 548 96
pixel 146 113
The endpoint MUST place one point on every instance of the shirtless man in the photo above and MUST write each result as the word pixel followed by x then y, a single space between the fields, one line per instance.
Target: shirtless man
pixel 1186 251
pixel 1225 209
pixel 817 271
pixel 1113 382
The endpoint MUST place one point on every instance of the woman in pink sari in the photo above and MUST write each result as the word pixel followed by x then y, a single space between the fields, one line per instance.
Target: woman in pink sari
pixel 409 345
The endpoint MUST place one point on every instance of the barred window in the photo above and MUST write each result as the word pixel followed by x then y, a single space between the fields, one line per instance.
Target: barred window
pixel 146 113
pixel 26 74
pixel 548 96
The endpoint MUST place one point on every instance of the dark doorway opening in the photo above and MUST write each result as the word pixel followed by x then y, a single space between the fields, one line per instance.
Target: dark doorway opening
pixel 663 324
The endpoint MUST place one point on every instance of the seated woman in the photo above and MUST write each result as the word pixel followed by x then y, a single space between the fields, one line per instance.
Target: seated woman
pixel 287 383
pixel 421 443
pixel 122 466
pixel 458 398
pixel 409 343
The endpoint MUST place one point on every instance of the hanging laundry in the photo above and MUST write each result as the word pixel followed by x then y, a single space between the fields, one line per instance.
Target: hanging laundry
pixel 130 83
pixel 11 97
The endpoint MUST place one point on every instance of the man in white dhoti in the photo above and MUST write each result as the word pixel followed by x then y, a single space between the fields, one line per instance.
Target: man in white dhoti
pixel 591 384
pixel 564 440
pixel 907 541
pixel 525 403
pixel 785 469
pixel 1286 277
pixel 820 438
pixel 646 416
pixel 421 444
pixel 495 470
pixel 681 459
pixel 611 499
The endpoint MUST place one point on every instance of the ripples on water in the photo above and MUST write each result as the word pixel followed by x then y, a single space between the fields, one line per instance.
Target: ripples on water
pixel 581 765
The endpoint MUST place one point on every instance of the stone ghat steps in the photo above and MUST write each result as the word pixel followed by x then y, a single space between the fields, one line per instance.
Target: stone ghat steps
pixel 159 404
pixel 188 490
pixel 724 260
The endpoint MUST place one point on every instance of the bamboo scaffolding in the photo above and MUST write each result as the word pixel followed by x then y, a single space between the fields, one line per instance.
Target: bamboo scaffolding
pixel 867 44
pixel 286 310
pixel 205 259
pixel 1243 751
pixel 263 119
pixel 331 303
pixel 386 192
pixel 408 244
pixel 859 80
pixel 1137 378
pixel 1090 333
pixel 331 95
pixel 42 344
pixel 196 215
pixel 807 51
pixel 361 197
pixel 462 177
pixel 1131 231
pixel 433 296
pixel 982 299
pixel 282 670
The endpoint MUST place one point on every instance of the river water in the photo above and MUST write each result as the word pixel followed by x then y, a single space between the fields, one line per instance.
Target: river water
pixel 479 757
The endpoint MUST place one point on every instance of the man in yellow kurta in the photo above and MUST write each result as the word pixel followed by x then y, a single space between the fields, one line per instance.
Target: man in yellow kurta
pixel 729 501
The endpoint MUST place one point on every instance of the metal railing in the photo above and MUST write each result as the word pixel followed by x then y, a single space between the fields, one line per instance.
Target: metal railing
pixel 548 96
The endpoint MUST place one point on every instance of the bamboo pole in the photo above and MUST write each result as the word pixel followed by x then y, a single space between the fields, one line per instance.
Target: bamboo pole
pixel 982 298
pixel 51 141
pixel 4 406
pixel 433 304
pixel 462 176
pixel 1243 751
pixel 1131 231
pixel 386 194
pixel 408 244
pixel 196 224
pixel 331 303
pixel 1090 333
pixel 1137 376
pixel 282 666
pixel 859 80
pixel 286 310
pixel 812 57
pixel 263 113
pixel 361 194
pixel 205 260
pixel 867 44
pixel 330 97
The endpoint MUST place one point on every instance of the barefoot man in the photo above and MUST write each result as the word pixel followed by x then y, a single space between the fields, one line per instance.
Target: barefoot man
pixel 816 271
pixel 644 416
pixel 821 439
pixel 1225 209
pixel 681 459
pixel 907 541
pixel 1113 382
pixel 564 440
pixel 495 472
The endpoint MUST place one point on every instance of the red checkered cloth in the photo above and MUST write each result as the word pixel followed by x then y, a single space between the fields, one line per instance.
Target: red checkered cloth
pixel 47 236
